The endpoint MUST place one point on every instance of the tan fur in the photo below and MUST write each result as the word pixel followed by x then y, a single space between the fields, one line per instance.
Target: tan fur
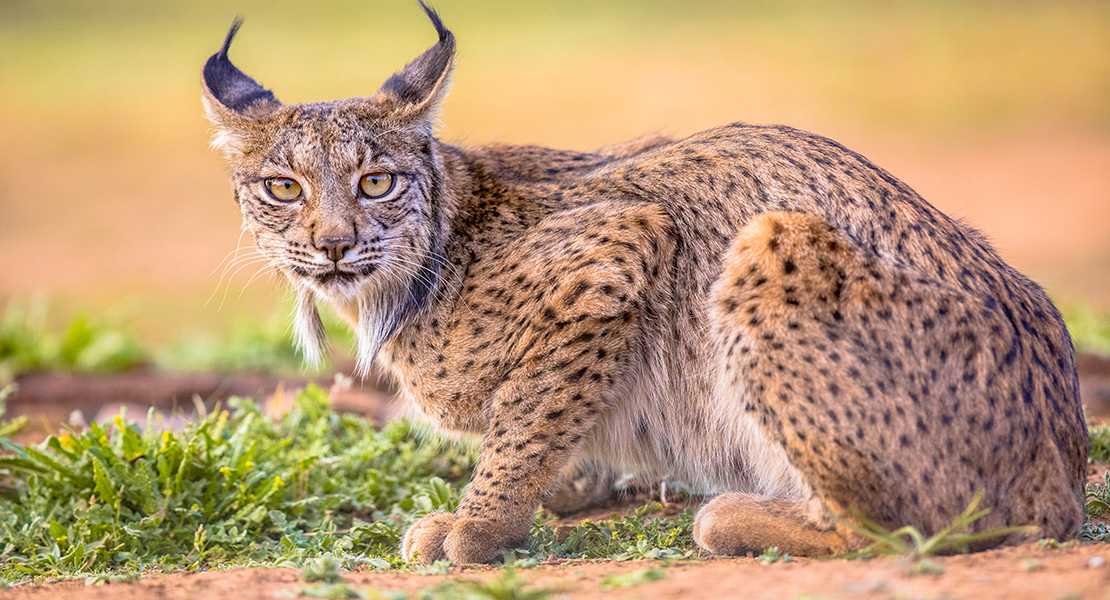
pixel 756 311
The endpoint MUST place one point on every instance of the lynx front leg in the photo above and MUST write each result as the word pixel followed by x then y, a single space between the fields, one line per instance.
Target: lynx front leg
pixel 592 276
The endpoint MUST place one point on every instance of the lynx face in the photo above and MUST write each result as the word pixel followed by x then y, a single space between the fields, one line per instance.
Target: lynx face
pixel 341 197
pixel 339 218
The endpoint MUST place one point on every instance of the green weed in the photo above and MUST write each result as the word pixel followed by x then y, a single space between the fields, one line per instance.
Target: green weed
pixel 249 344
pixel 1089 329
pixel 237 487
pixel 1094 532
pixel 1098 497
pixel 9 428
pixel 330 590
pixel 87 344
pixel 925 566
pixel 324 569
pixel 909 541
pixel 1100 444
pixel 509 586
pixel 773 555
pixel 635 536
pixel 634 578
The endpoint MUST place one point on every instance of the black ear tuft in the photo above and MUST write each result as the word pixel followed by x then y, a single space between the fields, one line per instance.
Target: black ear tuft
pixel 419 81
pixel 444 34
pixel 230 86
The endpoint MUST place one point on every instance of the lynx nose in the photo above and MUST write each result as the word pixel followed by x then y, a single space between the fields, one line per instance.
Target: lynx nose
pixel 335 247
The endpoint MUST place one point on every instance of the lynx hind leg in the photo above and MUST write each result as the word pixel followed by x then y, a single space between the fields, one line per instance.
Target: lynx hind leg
pixel 583 484
pixel 756 288
pixel 737 523
pixel 888 391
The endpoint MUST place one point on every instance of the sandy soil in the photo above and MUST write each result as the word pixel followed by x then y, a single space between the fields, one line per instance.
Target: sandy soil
pixel 1079 571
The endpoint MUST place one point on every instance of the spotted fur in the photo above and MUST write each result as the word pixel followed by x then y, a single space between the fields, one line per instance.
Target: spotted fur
pixel 757 311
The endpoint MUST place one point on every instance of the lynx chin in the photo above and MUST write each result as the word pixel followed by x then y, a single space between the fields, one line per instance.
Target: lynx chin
pixel 754 310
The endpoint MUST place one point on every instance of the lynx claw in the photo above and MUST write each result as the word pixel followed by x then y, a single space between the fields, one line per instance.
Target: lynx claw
pixel 423 542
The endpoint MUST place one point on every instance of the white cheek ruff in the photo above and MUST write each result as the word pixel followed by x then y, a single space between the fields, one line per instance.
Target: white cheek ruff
pixel 376 323
pixel 308 329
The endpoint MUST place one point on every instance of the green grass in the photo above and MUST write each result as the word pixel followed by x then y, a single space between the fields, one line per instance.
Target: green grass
pixel 910 542
pixel 242 488
pixel 509 586
pixel 1100 444
pixel 1089 328
pixel 250 345
pixel 638 535
pixel 634 578
pixel 29 341
pixel 86 344
pixel 237 487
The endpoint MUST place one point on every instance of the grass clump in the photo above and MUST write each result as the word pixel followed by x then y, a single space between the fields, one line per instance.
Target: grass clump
pixel 637 577
pixel 1098 497
pixel 774 555
pixel 248 344
pixel 238 487
pixel 1089 329
pixel 910 542
pixel 1100 444
pixel 635 536
pixel 86 344
pixel 509 586
pixel 12 427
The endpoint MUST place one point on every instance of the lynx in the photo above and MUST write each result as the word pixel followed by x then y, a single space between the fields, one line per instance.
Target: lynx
pixel 754 310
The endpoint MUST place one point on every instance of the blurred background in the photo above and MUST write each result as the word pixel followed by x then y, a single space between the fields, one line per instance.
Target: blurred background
pixel 112 204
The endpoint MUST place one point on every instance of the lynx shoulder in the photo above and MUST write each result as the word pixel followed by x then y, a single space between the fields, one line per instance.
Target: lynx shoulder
pixel 756 311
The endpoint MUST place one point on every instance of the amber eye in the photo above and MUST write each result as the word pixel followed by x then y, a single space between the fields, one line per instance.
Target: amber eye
pixel 375 185
pixel 283 189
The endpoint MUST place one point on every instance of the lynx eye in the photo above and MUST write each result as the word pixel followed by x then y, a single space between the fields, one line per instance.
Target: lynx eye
pixel 283 189
pixel 375 185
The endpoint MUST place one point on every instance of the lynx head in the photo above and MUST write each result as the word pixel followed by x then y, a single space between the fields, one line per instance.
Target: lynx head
pixel 347 198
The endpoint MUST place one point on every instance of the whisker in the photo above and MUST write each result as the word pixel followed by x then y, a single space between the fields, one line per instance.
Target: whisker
pixel 267 270
pixel 391 269
pixel 238 264
pixel 235 251
pixel 416 274
pixel 440 277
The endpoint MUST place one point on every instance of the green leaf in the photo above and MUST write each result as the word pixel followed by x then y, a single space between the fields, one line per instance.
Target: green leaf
pixel 10 428
pixel 57 531
pixel 104 487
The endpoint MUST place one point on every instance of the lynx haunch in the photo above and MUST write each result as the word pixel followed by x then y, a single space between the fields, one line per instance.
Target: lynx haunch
pixel 754 310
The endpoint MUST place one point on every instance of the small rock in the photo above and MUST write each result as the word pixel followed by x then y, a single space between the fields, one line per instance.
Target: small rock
pixel 1096 562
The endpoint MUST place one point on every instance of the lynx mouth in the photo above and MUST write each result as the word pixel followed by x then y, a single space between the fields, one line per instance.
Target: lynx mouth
pixel 339 277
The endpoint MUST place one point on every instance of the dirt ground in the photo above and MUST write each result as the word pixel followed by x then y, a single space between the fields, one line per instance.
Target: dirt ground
pixel 1079 571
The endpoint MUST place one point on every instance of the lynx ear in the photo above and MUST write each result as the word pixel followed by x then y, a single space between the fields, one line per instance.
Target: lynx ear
pixel 417 90
pixel 232 99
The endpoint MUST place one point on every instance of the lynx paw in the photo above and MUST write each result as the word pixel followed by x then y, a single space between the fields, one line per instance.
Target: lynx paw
pixel 462 541
pixel 481 540
pixel 738 524
pixel 424 539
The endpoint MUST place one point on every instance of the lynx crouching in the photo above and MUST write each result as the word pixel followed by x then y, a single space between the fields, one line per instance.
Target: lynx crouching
pixel 756 311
